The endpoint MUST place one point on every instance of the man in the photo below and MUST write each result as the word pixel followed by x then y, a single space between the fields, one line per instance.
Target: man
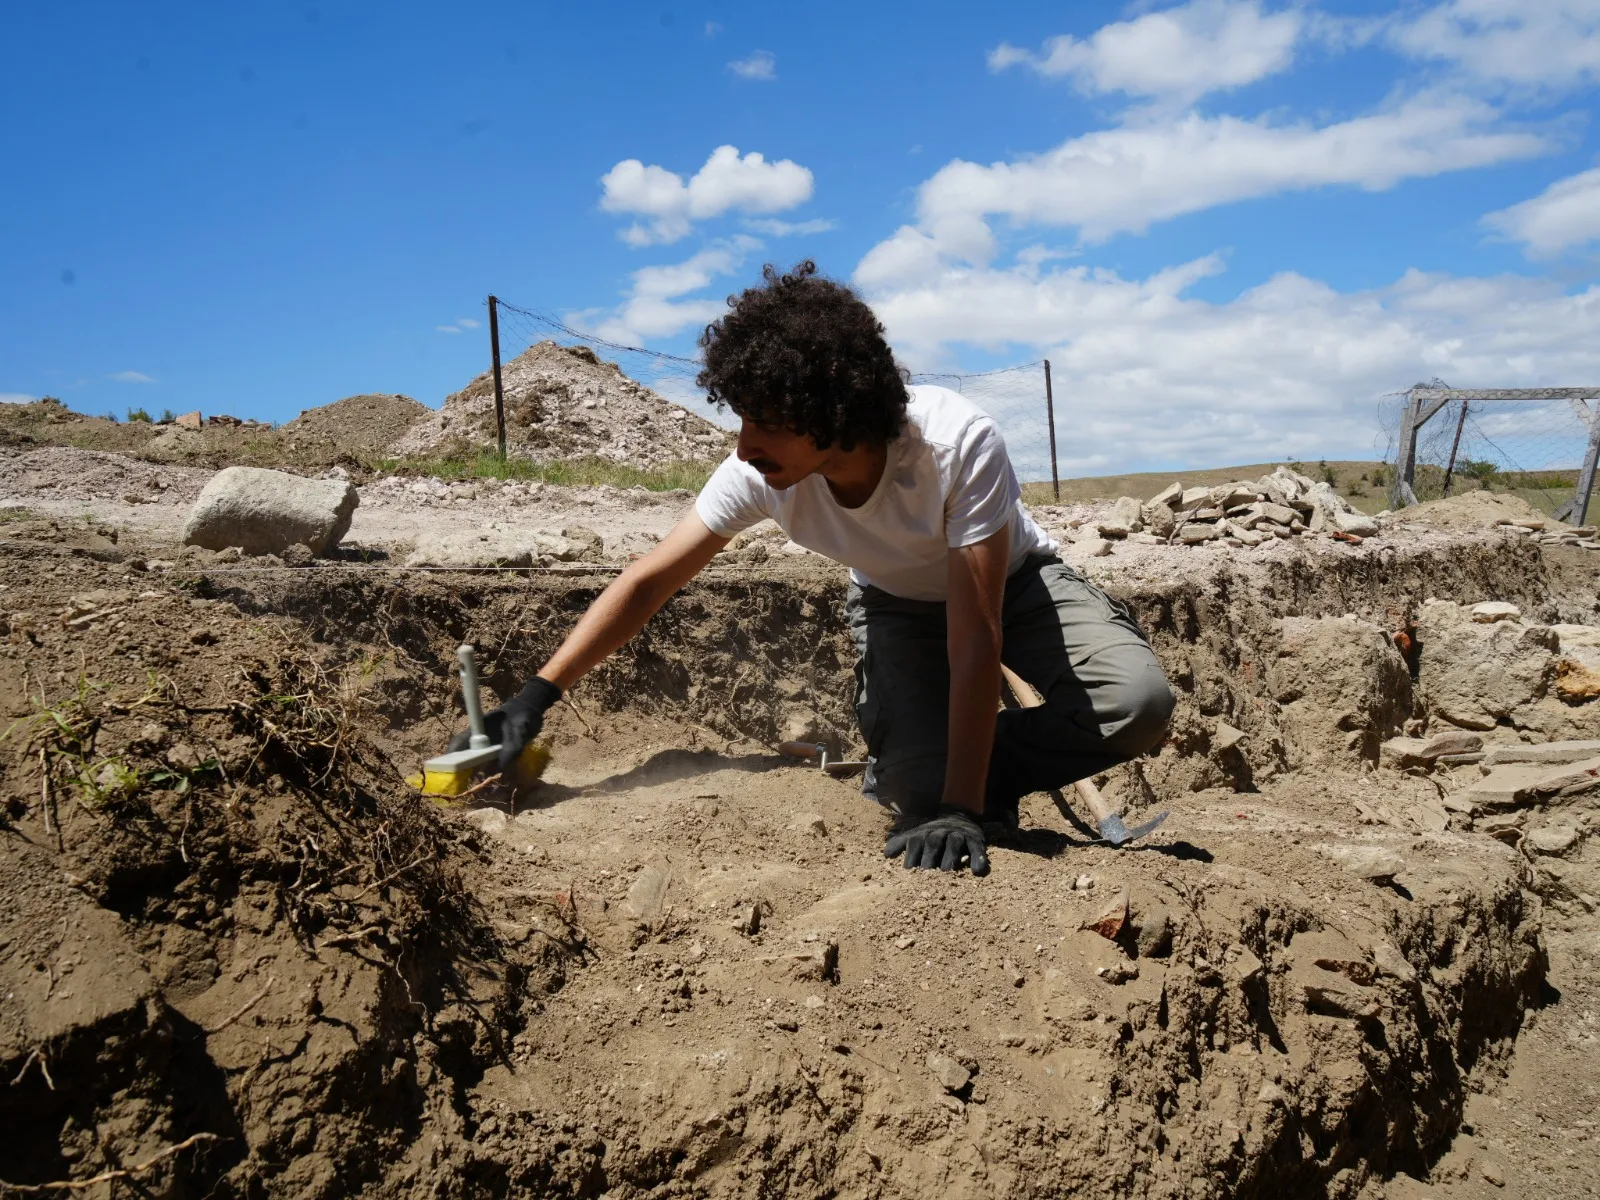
pixel 911 488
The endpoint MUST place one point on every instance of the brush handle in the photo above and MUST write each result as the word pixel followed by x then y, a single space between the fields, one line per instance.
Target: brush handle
pixel 466 656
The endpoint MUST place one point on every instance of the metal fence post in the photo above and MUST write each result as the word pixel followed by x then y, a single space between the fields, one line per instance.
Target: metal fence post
pixel 499 392
pixel 1050 415
pixel 1591 458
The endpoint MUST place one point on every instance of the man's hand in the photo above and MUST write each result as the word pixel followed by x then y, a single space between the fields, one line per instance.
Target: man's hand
pixel 515 723
pixel 942 842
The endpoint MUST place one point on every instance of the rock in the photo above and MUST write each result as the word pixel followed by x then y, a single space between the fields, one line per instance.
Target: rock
pixel 819 965
pixel 1503 787
pixel 1115 530
pixel 1012 973
pixel 1241 963
pixel 1192 498
pixel 1339 1000
pixel 1095 547
pixel 1356 523
pixel 1168 497
pixel 1342 687
pixel 494 548
pixel 1231 495
pixel 1453 742
pixel 748 919
pixel 1226 737
pixel 1549 753
pixel 266 512
pixel 189 420
pixel 1158 519
pixel 297 555
pixel 1195 533
pixel 647 895
pixel 1375 864
pixel 586 544
pixel 1491 611
pixel 1403 752
pixel 810 823
pixel 486 820
pixel 1129 512
pixel 1552 839
pixel 952 1076
pixel 1476 675
pixel 1577 682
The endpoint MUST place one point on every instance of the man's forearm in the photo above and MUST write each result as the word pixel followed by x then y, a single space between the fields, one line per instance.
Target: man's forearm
pixel 618 613
pixel 974 696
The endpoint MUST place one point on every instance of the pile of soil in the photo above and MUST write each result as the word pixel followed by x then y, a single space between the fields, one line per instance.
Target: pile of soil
pixel 359 424
pixel 1474 510
pixel 564 402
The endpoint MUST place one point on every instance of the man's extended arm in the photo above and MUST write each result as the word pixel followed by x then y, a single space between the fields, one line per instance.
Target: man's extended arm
pixel 977 581
pixel 632 599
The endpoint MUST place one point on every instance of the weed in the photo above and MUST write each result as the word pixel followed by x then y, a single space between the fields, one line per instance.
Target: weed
pixel 138 414
pixel 168 416
pixel 1327 474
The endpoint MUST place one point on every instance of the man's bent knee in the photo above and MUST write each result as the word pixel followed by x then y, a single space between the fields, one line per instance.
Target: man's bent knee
pixel 1141 709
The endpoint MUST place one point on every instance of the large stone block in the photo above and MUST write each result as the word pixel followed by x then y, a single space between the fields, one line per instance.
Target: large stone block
pixel 1342 686
pixel 1476 676
pixel 266 512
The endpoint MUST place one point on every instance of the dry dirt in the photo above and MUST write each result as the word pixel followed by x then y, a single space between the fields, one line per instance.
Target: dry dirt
pixel 681 966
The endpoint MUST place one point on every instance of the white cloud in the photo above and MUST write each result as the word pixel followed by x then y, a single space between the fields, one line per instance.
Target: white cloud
pixel 712 29
pixel 466 322
pixel 1537 44
pixel 761 65
pixel 1145 375
pixel 1178 54
pixel 447 328
pixel 1565 214
pixel 1124 179
pixel 132 377
pixel 727 182
pixel 659 302
pixel 777 228
pixel 16 398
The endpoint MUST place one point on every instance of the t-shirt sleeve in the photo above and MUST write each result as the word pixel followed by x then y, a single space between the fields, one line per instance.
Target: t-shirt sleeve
pixel 733 499
pixel 984 489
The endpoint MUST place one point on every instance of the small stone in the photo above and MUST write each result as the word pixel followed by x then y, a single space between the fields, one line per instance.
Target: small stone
pixel 952 1076
pixel 1226 737
pixel 811 823
pixel 904 943
pixel 1095 547
pixel 487 820
pixel 1013 973
pixel 748 920
pixel 1083 883
pixel 1375 864
pixel 1552 839
pixel 813 1002
pixel 1195 532
pixel 1453 742
pixel 298 555
pixel 1492 1175
pixel 647 895
pixel 1241 963
pixel 1271 1093
pixel 1491 611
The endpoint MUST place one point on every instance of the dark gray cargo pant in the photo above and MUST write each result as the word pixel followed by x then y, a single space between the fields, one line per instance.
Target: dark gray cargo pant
pixel 1106 699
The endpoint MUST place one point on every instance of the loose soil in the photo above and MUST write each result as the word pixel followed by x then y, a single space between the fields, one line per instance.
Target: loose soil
pixel 680 965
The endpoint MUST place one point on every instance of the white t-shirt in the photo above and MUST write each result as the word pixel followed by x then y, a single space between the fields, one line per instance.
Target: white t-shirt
pixel 947 483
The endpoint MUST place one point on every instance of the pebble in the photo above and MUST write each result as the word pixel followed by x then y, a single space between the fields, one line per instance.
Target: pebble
pixel 904 943
pixel 952 1076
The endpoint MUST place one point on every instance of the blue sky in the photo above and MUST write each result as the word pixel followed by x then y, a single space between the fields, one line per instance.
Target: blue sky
pixel 1231 226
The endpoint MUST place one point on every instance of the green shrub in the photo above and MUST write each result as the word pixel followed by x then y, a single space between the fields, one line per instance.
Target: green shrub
pixel 138 414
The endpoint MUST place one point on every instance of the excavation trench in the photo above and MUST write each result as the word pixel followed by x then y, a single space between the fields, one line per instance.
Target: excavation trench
pixel 682 966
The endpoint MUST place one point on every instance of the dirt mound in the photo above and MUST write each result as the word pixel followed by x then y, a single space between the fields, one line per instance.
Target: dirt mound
pixel 564 402
pixel 1474 510
pixel 361 424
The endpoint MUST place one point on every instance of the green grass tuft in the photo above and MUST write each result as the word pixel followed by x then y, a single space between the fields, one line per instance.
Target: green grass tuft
pixel 577 472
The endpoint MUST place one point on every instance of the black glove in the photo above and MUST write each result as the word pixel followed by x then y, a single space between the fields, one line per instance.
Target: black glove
pixel 515 723
pixel 940 842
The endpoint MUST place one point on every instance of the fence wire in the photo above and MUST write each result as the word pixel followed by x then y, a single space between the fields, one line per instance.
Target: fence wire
pixel 1531 448
pixel 1014 396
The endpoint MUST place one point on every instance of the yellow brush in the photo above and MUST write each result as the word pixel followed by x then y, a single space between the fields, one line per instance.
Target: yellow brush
pixel 449 775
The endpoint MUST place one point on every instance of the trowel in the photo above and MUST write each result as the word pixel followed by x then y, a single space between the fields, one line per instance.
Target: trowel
pixel 451 774
pixel 819 752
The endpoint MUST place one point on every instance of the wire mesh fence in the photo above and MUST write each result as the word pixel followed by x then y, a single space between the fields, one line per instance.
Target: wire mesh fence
pixel 1015 396
pixel 1533 448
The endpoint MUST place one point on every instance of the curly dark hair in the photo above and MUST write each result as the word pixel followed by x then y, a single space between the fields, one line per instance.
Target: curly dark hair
pixel 805 353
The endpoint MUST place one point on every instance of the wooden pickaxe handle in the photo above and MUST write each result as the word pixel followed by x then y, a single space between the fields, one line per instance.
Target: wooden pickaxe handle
pixel 1028 698
pixel 801 749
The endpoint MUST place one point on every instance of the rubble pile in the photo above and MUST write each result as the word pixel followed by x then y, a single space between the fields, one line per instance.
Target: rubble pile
pixel 564 402
pixel 1553 533
pixel 1247 513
